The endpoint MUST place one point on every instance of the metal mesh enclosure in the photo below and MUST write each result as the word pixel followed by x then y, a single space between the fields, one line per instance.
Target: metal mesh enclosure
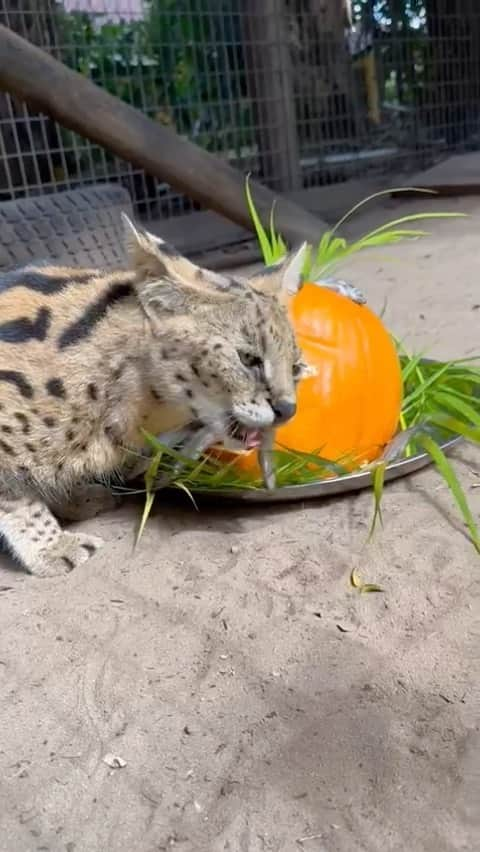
pixel 301 93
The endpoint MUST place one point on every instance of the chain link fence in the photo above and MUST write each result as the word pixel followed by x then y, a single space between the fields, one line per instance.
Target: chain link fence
pixel 302 93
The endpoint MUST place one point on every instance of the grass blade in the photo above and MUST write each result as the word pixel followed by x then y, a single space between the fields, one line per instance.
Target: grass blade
pixel 464 410
pixel 260 231
pixel 368 588
pixel 150 477
pixel 455 426
pixel 363 588
pixel 378 480
pixel 447 472
pixel 182 487
pixel 379 194
pixel 412 217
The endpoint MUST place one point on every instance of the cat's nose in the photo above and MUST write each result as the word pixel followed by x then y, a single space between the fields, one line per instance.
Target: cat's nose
pixel 284 409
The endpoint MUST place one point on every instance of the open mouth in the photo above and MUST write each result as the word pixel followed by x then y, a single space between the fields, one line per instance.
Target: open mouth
pixel 242 437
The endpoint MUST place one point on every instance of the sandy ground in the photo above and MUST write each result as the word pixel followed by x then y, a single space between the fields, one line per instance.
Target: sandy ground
pixel 260 703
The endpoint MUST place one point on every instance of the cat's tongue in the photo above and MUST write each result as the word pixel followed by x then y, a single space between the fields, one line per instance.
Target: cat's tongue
pixel 247 439
pixel 253 439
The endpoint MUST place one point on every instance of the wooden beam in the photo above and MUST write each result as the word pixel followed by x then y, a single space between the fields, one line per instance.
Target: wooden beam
pixel 270 84
pixel 77 103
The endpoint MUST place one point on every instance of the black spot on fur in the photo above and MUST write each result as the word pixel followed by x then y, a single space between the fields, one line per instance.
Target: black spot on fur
pixel 196 371
pixel 95 313
pixel 50 422
pixel 23 328
pixel 68 562
pixel 189 393
pixel 92 391
pixel 217 346
pixel 70 435
pixel 117 373
pixel 155 394
pixel 7 448
pixel 15 378
pixel 180 378
pixel 56 388
pixel 7 429
pixel 31 449
pixel 23 419
pixel 41 282
pixel 109 432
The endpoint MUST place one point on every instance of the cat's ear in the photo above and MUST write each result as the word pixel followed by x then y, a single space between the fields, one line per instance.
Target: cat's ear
pixel 168 283
pixel 152 257
pixel 283 278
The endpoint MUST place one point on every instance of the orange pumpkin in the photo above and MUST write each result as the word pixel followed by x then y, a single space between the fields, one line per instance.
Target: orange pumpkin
pixel 352 405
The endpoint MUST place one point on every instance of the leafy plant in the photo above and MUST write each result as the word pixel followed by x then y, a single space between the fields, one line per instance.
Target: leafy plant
pixel 332 249
pixel 177 64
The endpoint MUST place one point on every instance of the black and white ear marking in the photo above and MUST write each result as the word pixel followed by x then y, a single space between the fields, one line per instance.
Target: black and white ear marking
pixel 292 271
pixel 283 278
pixel 153 256
pixel 148 254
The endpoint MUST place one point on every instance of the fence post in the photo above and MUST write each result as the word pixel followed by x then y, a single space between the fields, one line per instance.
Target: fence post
pixel 271 89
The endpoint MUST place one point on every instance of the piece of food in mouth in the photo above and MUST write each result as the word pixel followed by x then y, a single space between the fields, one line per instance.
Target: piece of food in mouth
pixel 241 438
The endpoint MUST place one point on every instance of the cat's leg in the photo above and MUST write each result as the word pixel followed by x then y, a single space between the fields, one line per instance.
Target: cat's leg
pixel 36 540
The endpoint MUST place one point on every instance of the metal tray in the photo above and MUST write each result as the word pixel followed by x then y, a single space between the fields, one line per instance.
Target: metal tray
pixel 327 487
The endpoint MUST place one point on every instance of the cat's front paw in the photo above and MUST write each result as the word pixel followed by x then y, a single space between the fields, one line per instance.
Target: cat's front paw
pixel 68 552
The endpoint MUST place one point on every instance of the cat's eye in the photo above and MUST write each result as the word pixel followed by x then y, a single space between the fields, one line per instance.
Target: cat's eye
pixel 250 360
pixel 299 370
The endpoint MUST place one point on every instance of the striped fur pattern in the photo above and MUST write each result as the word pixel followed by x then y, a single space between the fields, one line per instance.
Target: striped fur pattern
pixel 88 359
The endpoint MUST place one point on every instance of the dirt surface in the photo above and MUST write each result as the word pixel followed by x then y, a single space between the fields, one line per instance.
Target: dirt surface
pixel 258 702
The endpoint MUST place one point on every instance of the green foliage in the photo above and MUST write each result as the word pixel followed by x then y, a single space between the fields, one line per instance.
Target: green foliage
pixel 177 64
pixel 333 250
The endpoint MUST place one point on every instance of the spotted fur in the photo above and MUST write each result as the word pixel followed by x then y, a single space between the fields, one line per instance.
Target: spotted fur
pixel 89 359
